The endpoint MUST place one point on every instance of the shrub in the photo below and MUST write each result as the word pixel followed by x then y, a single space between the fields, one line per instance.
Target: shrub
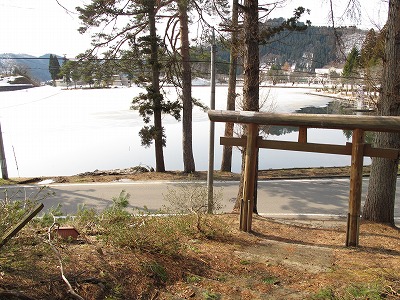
pixel 87 220
pixel 192 199
pixel 48 217
pixel 13 207
pixel 153 234
pixel 117 213
pixel 150 233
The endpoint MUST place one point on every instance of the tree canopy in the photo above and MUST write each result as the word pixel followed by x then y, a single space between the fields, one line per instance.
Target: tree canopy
pixel 54 67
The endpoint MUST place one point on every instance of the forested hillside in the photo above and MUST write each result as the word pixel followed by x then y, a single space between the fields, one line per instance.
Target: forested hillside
pixel 306 50
pixel 312 48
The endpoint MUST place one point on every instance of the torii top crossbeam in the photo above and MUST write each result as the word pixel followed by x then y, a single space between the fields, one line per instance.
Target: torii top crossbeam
pixel 350 122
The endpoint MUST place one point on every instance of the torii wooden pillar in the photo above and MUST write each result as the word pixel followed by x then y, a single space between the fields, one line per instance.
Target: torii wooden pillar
pixel 357 159
pixel 247 203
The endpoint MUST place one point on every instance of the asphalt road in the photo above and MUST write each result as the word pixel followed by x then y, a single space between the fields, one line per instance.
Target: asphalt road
pixel 323 197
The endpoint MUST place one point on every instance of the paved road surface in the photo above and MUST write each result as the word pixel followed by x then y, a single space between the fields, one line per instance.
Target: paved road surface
pixel 277 197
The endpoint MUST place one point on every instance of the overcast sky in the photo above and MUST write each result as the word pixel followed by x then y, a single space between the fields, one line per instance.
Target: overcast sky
pixel 37 27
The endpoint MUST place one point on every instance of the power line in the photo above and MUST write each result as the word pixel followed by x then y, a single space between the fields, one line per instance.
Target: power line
pixel 27 58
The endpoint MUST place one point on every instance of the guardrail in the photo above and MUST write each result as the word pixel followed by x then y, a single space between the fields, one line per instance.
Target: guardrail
pixel 357 149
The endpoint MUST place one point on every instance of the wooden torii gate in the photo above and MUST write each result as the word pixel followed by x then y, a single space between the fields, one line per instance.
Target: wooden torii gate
pixel 357 149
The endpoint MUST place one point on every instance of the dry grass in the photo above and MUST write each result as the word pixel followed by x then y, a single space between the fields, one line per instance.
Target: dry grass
pixel 279 260
pixel 120 257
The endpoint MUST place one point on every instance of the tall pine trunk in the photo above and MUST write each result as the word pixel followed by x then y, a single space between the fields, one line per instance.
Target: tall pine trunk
pixel 226 163
pixel 156 96
pixel 251 57
pixel 188 160
pixel 379 204
pixel 251 62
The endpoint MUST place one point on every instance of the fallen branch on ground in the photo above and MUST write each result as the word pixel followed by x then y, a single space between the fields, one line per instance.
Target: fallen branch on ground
pixel 70 289
pixel 15 294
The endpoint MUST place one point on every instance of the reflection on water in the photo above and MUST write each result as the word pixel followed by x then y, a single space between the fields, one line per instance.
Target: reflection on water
pixel 292 159
pixel 334 107
pixel 58 132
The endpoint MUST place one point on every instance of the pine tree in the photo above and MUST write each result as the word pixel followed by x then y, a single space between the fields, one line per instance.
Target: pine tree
pixel 132 26
pixel 152 103
pixel 351 67
pixel 367 55
pixel 54 67
pixel 352 63
pixel 380 200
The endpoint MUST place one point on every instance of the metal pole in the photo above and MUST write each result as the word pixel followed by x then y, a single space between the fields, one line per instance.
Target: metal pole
pixel 210 174
pixel 3 162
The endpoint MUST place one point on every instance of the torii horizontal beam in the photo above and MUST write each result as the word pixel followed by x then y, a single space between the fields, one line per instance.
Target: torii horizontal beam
pixel 349 122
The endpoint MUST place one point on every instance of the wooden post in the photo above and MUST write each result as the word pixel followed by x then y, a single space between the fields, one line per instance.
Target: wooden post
pixel 13 231
pixel 302 134
pixel 3 162
pixel 247 204
pixel 353 220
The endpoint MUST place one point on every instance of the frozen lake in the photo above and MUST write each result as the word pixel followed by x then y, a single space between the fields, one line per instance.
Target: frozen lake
pixel 48 131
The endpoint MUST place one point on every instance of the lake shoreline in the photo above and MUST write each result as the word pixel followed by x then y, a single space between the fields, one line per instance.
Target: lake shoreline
pixel 130 174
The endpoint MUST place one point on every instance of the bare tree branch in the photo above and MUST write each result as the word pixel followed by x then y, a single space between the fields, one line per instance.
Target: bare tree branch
pixel 66 9
pixel 338 39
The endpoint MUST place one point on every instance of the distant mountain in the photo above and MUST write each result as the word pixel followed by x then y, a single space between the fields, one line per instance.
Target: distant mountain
pixel 315 47
pixel 35 67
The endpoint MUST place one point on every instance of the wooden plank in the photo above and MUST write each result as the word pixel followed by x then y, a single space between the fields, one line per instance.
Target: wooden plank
pixel 313 147
pixel 232 141
pixel 290 146
pixel 366 123
pixel 246 210
pixel 353 220
pixel 380 152
pixel 307 147
pixel 302 135
pixel 13 231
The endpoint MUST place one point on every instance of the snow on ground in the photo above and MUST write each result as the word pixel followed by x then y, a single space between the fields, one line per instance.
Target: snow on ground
pixel 6 81
pixel 200 81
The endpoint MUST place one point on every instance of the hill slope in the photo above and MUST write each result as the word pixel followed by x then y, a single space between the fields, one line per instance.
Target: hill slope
pixel 35 67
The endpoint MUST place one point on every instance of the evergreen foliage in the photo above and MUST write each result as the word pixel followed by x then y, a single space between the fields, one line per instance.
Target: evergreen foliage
pixel 373 49
pixel 54 67
pixel 352 63
pixel 70 71
pixel 275 73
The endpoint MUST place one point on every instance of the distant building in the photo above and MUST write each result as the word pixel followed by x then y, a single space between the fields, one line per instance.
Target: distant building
pixel 328 71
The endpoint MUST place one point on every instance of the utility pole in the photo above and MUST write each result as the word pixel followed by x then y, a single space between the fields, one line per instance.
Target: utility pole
pixel 3 162
pixel 210 174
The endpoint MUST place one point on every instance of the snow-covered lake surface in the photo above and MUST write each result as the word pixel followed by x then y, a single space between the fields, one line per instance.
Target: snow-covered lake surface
pixel 48 131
